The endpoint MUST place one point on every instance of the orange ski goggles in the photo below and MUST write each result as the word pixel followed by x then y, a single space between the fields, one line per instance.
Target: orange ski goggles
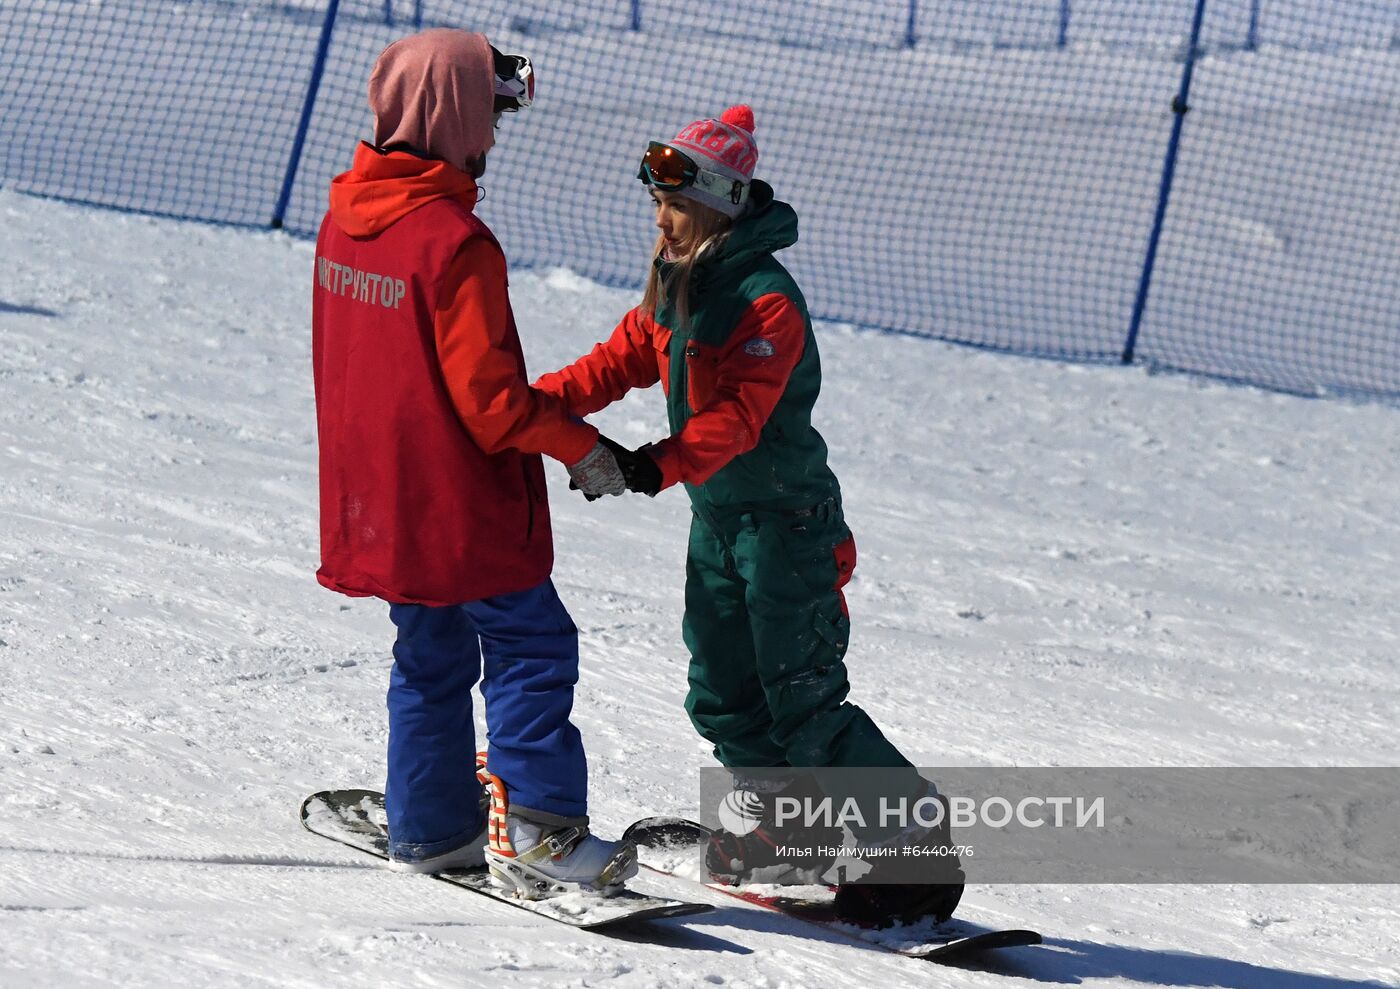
pixel 667 168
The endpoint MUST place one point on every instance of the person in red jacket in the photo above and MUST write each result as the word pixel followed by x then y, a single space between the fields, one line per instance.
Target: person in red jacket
pixel 432 485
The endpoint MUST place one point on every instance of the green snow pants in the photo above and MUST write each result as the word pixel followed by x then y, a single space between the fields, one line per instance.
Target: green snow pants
pixel 766 626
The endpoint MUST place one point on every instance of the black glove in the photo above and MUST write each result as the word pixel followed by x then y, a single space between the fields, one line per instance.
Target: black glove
pixel 638 469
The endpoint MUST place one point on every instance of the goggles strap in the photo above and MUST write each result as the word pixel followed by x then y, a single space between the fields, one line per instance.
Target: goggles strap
pixel 515 82
pixel 735 190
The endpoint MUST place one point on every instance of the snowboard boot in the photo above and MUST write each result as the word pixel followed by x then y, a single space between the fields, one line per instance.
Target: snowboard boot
pixel 536 854
pixel 546 858
pixel 884 906
pixel 787 854
pixel 884 897
pixel 772 855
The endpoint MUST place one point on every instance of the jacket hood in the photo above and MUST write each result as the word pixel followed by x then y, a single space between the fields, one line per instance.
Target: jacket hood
pixel 383 187
pixel 768 227
pixel 434 92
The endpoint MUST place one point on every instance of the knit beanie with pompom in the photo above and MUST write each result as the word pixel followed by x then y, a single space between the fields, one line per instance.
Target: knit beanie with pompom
pixel 725 147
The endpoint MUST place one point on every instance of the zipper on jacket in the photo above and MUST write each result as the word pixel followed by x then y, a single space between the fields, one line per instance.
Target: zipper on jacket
pixel 691 352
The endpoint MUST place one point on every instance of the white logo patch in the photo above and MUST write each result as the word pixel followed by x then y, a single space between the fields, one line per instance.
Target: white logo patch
pixel 759 347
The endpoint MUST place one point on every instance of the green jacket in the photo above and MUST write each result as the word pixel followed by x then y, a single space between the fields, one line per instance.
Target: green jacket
pixel 787 468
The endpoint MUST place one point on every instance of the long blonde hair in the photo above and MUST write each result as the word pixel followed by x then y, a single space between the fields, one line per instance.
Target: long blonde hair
pixel 710 228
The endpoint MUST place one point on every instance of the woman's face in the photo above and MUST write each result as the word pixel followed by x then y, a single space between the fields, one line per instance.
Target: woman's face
pixel 675 218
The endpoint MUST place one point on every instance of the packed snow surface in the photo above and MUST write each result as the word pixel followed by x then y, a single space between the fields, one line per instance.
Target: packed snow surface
pixel 1060 565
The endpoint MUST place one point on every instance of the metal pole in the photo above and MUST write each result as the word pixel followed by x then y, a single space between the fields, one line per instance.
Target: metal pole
pixel 389 13
pixel 1180 106
pixel 911 29
pixel 1251 40
pixel 417 15
pixel 1064 25
pixel 323 47
pixel 636 15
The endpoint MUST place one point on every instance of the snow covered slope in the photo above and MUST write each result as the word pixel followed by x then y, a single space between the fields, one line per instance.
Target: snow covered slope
pixel 1060 565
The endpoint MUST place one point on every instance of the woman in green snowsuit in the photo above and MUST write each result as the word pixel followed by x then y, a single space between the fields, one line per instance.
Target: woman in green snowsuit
pixel 725 329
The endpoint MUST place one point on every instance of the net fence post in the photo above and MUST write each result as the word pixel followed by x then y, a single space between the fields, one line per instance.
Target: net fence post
pixel 1251 40
pixel 1063 39
pixel 323 46
pixel 636 15
pixel 1180 106
pixel 911 27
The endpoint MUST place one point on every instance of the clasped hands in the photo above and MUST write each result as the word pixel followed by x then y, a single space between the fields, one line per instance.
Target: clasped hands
pixel 610 468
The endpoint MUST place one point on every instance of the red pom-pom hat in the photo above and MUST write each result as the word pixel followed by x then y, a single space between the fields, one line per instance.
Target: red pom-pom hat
pixel 725 146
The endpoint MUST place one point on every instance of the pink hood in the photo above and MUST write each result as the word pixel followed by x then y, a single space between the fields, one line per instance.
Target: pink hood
pixel 434 92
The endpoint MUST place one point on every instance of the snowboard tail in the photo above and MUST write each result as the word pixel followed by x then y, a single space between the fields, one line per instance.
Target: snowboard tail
pixel 353 818
pixel 671 837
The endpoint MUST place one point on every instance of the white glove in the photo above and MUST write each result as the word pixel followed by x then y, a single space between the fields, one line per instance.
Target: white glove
pixel 598 474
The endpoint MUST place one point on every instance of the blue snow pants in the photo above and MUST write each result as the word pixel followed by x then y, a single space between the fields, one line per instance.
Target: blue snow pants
pixel 526 645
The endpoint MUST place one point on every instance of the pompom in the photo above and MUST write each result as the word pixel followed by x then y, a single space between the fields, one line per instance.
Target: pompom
pixel 740 116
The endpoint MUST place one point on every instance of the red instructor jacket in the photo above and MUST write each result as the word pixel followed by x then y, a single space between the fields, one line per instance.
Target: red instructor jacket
pixel 432 486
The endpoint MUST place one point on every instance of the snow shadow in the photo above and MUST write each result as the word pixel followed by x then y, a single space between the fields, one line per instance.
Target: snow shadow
pixel 280 861
pixel 1079 961
pixel 1064 961
pixel 760 920
pixel 677 933
pixel 10 307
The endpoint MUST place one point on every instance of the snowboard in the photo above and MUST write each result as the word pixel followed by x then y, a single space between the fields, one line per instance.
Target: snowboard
pixel 675 841
pixel 354 818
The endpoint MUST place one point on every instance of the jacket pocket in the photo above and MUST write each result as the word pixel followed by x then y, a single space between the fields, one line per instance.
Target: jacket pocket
pixel 701 371
pixel 821 554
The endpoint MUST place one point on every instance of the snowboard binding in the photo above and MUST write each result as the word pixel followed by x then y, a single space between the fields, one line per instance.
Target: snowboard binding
pixel 535 856
pixel 526 880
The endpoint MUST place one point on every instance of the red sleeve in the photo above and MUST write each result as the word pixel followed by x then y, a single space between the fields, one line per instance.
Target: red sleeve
pixel 482 371
pixel 750 379
pixel 625 361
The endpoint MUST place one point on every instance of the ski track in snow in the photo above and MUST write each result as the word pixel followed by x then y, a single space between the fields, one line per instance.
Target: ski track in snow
pixel 1059 565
